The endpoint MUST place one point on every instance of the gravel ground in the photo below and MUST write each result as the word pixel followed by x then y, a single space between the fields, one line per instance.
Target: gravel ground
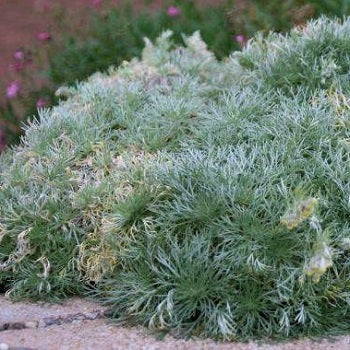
pixel 79 333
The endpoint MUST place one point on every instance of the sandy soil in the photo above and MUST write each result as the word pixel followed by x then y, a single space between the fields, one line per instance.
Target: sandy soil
pixel 100 334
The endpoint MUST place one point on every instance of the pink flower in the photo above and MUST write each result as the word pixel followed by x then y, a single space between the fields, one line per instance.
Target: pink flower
pixel 241 39
pixel 43 36
pixel 41 103
pixel 173 11
pixel 19 55
pixel 96 3
pixel 13 89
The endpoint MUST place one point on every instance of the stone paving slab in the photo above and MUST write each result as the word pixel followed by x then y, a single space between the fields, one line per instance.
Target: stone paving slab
pixel 17 312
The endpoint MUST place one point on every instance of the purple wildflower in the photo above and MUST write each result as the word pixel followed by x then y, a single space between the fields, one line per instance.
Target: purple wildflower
pixel 240 38
pixel 173 11
pixel 13 89
pixel 41 103
pixel 19 55
pixel 43 36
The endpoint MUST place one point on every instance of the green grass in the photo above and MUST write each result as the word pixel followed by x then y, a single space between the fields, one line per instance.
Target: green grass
pixel 193 195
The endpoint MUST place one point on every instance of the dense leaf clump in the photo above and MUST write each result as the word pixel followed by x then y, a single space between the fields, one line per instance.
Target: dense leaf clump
pixel 204 197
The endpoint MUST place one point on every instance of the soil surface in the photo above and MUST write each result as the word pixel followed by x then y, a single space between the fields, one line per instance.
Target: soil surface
pixel 79 324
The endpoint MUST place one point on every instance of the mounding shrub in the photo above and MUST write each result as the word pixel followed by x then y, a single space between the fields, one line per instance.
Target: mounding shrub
pixel 202 197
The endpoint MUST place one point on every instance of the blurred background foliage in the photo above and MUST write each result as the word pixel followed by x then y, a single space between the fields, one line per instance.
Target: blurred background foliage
pixel 105 35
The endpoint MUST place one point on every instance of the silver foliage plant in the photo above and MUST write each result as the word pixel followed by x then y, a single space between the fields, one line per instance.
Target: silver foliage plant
pixel 192 195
